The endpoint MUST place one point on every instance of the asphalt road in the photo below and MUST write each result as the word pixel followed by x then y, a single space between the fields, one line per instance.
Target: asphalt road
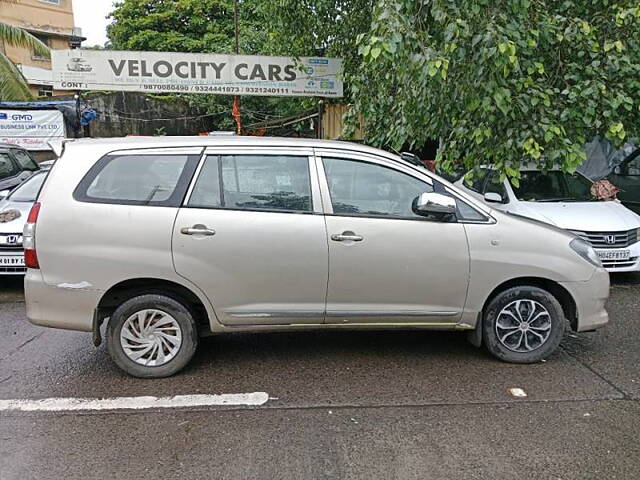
pixel 342 405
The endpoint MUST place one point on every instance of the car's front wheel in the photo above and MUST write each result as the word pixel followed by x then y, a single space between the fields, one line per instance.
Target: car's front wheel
pixel 151 336
pixel 523 325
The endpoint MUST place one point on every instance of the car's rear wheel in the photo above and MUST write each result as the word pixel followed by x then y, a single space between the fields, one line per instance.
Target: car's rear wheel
pixel 523 325
pixel 151 336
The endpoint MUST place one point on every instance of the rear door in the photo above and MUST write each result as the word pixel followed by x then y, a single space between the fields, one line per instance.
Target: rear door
pixel 251 235
pixel 386 264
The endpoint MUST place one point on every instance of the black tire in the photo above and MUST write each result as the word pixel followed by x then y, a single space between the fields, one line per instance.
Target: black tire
pixel 541 351
pixel 175 309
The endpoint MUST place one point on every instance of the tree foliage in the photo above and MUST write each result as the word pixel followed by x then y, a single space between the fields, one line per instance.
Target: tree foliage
pixel 13 85
pixel 496 81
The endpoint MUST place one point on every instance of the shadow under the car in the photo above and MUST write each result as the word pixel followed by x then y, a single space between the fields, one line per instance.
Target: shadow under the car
pixel 627 278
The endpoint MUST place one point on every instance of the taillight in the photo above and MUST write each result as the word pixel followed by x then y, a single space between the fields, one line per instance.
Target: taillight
pixel 33 213
pixel 29 238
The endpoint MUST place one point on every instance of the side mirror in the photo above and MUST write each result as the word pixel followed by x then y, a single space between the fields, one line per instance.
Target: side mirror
pixel 493 197
pixel 4 194
pixel 431 203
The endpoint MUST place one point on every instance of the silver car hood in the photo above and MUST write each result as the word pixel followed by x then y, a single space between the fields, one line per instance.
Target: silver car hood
pixel 18 209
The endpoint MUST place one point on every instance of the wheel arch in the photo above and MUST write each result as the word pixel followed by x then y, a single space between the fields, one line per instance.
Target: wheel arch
pixel 126 289
pixel 560 293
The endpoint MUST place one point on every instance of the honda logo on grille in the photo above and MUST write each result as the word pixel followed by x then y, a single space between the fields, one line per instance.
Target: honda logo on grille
pixel 12 240
pixel 610 239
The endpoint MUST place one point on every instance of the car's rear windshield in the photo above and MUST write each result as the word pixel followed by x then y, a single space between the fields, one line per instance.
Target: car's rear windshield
pixel 28 191
pixel 553 186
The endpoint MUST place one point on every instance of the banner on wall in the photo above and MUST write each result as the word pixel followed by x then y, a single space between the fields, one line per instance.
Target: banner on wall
pixel 156 72
pixel 31 129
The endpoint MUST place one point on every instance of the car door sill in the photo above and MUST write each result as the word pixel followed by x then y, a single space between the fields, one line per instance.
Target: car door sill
pixel 347 326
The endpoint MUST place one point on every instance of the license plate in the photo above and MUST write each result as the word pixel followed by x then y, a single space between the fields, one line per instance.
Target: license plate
pixel 13 261
pixel 614 254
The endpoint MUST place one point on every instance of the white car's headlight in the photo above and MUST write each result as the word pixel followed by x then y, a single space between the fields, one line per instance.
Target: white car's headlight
pixel 586 251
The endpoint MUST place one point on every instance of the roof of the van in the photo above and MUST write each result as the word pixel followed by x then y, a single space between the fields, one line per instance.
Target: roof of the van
pixel 120 143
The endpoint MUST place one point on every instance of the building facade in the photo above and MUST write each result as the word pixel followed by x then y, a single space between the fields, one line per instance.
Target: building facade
pixel 49 20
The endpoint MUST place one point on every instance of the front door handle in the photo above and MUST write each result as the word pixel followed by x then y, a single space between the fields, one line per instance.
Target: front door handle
pixel 197 230
pixel 346 237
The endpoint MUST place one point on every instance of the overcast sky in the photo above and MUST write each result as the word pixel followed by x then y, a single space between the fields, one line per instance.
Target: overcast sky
pixel 90 15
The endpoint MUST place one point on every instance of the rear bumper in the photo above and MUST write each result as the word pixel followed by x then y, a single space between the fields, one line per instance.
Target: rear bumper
pixel 59 307
pixel 590 297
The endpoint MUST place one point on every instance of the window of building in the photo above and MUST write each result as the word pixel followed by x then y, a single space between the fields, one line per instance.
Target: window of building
pixel 44 39
pixel 45 91
pixel 53 2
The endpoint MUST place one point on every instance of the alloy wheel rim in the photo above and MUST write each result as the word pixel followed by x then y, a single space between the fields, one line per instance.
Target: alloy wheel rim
pixel 523 326
pixel 151 337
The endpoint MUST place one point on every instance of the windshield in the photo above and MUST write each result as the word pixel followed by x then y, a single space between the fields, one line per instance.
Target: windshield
pixel 28 191
pixel 553 186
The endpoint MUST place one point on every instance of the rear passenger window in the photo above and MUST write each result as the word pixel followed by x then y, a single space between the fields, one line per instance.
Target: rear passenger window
pixel 254 182
pixel 137 179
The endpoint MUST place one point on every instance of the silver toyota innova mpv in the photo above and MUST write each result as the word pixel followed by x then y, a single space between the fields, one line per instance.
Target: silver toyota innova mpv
pixel 165 240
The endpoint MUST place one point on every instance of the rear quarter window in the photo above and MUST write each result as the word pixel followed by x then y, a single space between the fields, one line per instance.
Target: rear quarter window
pixel 158 179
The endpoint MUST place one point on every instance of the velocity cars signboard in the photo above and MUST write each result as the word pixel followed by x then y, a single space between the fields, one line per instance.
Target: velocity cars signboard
pixel 31 129
pixel 196 73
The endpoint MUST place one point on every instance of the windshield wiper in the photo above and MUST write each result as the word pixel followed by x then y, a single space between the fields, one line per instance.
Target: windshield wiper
pixel 561 200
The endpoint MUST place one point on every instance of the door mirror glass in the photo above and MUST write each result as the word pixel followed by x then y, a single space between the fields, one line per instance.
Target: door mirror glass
pixel 493 197
pixel 431 203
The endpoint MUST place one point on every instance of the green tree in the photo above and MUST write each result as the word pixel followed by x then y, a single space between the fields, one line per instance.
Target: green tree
pixel 202 26
pixel 496 81
pixel 13 85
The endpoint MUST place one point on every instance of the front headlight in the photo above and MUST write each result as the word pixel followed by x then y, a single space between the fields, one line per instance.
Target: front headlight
pixel 586 251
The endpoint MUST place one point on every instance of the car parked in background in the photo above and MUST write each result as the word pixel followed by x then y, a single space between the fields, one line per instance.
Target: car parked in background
pixel 626 177
pixel 14 210
pixel 16 165
pixel 167 239
pixel 564 200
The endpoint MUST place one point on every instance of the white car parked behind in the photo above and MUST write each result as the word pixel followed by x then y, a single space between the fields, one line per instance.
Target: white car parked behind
pixel 565 200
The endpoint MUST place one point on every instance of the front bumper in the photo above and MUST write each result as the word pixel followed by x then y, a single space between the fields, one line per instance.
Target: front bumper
pixel 590 297
pixel 620 266
pixel 59 307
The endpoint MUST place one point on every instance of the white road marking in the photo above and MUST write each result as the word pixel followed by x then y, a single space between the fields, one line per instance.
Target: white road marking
pixel 132 403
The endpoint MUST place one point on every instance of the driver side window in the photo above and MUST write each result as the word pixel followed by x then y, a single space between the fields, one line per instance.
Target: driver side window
pixel 367 189
pixel 633 168
pixel 495 185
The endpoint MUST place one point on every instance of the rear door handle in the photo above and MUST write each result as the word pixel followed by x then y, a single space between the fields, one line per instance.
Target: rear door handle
pixel 346 237
pixel 197 230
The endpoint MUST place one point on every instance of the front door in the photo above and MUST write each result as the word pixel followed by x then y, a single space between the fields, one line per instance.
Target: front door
pixel 386 264
pixel 248 236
